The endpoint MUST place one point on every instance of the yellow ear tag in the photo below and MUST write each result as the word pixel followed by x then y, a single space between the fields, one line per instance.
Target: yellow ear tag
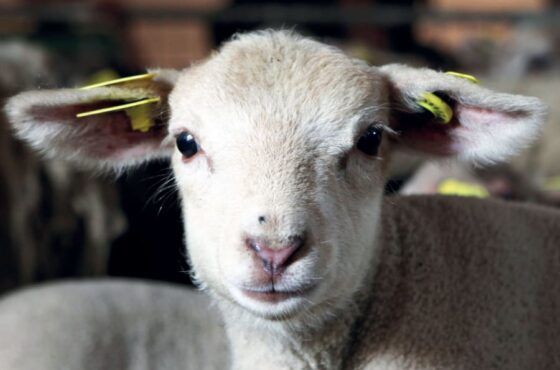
pixel 461 188
pixel 140 118
pixel 463 76
pixel 138 110
pixel 552 183
pixel 103 75
pixel 436 106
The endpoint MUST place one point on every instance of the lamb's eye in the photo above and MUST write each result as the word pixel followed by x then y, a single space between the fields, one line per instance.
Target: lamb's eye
pixel 369 142
pixel 187 144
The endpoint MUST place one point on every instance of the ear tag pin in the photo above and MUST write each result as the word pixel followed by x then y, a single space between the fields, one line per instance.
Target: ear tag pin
pixel 118 107
pixel 137 111
pixel 144 76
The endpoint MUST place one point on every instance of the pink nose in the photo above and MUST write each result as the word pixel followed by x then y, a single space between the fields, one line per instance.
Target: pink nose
pixel 278 258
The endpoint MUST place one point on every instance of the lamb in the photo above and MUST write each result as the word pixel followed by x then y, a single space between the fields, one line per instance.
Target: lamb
pixel 501 181
pixel 279 146
pixel 110 324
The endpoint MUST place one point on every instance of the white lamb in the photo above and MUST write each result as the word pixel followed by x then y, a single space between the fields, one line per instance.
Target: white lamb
pixel 281 147
pixel 110 324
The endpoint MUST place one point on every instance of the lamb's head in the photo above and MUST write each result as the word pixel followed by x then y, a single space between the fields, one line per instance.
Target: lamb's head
pixel 279 146
pixel 278 190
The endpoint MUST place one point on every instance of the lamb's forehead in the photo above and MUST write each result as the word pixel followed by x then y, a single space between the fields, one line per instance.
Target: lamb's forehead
pixel 279 77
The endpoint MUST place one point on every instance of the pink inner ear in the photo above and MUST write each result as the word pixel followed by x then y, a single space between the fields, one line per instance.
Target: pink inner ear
pixel 432 140
pixel 468 126
pixel 481 127
pixel 475 116
pixel 424 133
pixel 104 136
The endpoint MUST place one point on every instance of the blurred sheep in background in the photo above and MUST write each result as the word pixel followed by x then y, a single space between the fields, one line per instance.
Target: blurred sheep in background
pixel 55 220
pixel 526 65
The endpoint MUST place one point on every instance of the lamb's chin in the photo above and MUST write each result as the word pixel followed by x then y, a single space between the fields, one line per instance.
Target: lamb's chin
pixel 275 306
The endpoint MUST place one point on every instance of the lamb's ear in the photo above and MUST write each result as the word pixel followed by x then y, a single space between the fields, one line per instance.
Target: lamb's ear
pixel 485 127
pixel 105 138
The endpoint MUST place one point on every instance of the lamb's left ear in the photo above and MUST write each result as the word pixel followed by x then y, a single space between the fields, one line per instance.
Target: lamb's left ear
pixel 485 126
pixel 114 125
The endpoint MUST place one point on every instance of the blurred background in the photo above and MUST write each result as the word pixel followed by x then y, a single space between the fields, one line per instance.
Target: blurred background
pixel 58 221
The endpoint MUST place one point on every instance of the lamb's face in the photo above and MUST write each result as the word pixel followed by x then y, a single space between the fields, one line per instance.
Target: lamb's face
pixel 280 202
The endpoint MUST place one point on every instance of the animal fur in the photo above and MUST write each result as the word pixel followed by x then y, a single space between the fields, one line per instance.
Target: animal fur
pixel 411 283
pixel 110 324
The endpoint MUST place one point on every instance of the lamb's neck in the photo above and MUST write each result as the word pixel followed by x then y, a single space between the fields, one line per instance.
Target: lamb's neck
pixel 263 344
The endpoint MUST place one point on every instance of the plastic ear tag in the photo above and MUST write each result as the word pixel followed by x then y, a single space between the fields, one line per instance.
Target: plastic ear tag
pixel 436 106
pixel 103 75
pixel 140 118
pixel 463 76
pixel 552 183
pixel 137 110
pixel 461 188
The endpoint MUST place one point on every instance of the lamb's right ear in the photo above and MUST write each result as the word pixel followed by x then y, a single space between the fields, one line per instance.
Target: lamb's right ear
pixel 102 138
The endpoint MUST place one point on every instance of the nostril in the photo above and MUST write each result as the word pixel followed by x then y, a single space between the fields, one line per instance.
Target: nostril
pixel 262 220
pixel 279 257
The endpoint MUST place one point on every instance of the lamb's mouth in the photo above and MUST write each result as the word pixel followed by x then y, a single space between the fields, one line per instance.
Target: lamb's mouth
pixel 275 296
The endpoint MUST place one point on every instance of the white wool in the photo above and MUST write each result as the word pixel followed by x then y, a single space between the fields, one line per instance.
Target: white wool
pixel 277 118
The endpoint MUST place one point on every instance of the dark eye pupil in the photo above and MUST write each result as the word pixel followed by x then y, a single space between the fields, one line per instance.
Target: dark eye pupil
pixel 186 144
pixel 370 140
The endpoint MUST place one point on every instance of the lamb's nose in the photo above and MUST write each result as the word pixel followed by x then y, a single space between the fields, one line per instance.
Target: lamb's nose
pixel 278 258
